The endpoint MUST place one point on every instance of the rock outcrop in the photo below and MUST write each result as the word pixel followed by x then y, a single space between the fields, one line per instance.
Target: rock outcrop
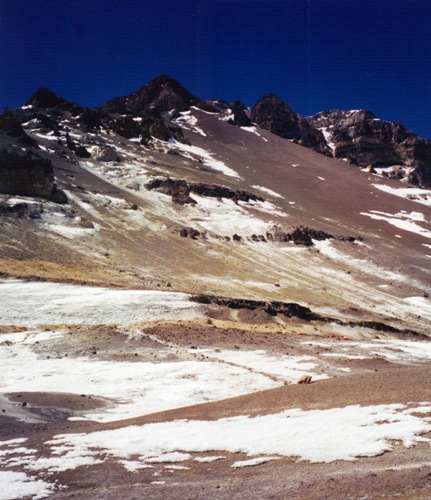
pixel 273 308
pixel 365 140
pixel 21 210
pixel 295 310
pixel 24 173
pixel 22 170
pixel 239 117
pixel 275 115
pixel 180 191
pixel 146 129
pixel 12 127
pixel 301 235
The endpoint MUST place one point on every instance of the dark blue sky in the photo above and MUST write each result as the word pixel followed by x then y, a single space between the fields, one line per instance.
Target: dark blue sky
pixel 315 54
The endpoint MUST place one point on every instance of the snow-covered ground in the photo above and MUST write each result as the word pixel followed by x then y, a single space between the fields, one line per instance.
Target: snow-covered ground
pixel 34 303
pixel 181 376
pixel 19 485
pixel 225 217
pixel 288 368
pixel 314 435
pixel 135 388
pixel 396 351
pixel 418 195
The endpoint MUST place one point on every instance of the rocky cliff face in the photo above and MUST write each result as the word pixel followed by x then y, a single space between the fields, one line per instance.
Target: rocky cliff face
pixel 22 170
pixel 275 115
pixel 365 140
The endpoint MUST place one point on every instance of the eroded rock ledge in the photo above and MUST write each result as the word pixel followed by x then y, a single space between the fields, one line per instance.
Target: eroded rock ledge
pixel 294 310
pixel 301 235
pixel 273 308
pixel 180 191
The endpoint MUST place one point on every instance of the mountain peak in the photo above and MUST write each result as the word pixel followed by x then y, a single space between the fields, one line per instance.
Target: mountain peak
pixel 45 98
pixel 160 95
pixel 164 93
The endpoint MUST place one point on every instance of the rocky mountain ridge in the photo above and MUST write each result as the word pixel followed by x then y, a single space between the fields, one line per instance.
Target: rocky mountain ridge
pixel 367 141
pixel 151 112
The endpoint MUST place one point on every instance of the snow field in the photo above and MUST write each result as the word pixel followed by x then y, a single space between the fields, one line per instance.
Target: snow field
pixel 135 388
pixel 34 303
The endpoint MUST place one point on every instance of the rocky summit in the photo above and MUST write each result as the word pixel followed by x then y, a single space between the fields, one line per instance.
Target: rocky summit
pixel 192 287
pixel 275 115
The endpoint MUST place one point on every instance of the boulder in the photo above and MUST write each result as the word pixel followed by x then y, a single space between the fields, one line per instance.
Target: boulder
pixel 110 154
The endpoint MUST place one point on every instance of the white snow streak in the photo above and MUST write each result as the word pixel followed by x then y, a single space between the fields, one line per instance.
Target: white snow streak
pixel 402 220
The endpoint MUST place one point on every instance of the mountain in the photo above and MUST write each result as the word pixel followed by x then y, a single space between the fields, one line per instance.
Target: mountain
pixel 189 280
pixel 169 174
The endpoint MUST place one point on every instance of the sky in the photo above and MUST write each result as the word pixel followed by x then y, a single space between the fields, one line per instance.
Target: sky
pixel 315 54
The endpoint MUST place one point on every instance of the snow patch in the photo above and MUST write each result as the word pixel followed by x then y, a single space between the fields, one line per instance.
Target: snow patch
pixel 418 195
pixel 254 461
pixel 206 156
pixel 314 435
pixel 328 137
pixel 268 191
pixel 402 220
pixel 18 485
pixel 189 122
pixel 225 217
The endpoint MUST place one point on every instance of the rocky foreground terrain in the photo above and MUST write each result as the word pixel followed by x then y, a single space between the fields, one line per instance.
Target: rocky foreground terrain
pixel 204 300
